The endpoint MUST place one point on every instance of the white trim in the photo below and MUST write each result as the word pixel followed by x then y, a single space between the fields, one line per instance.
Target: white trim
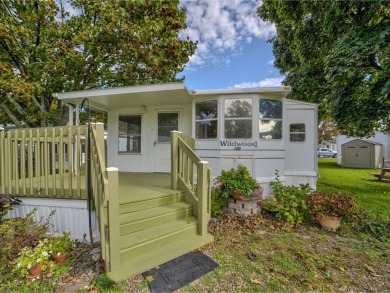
pixel 300 173
pixel 121 90
pixel 49 202
pixel 258 90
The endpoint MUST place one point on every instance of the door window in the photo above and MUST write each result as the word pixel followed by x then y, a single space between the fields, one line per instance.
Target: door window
pixel 167 122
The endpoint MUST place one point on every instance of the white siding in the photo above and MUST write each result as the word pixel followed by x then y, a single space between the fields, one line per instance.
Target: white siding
pixel 70 215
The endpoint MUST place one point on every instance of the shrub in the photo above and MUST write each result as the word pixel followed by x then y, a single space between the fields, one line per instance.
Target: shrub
pixel 7 203
pixel 289 202
pixel 335 205
pixel 217 203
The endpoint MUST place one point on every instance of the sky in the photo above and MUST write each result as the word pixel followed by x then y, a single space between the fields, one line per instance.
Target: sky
pixel 232 47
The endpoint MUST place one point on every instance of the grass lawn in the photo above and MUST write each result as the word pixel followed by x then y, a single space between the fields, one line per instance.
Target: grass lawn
pixel 372 195
pixel 262 254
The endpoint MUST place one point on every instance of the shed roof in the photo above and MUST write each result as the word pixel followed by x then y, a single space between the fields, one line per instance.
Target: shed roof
pixel 363 140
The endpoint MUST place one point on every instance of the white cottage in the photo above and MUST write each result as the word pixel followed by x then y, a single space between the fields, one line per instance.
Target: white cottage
pixel 256 127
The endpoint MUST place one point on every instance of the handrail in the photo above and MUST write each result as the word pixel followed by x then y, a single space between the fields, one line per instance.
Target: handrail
pixel 106 199
pixel 191 175
pixel 42 162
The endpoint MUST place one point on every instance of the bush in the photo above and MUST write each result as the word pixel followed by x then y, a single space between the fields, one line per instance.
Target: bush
pixel 217 202
pixel 334 205
pixel 289 202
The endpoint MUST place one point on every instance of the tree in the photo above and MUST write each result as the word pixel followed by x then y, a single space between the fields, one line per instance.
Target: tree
pixel 336 54
pixel 327 131
pixel 65 45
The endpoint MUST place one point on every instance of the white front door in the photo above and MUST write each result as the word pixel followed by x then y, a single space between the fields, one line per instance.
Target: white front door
pixel 166 122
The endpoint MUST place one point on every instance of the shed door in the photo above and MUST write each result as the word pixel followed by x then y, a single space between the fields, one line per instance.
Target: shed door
pixel 358 157
pixel 166 122
pixel 364 157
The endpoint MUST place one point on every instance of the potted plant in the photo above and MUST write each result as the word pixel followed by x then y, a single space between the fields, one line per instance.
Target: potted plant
pixel 59 246
pixel 237 183
pixel 329 209
pixel 33 261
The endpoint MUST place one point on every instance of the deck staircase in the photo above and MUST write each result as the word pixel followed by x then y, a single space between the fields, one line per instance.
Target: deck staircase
pixel 154 231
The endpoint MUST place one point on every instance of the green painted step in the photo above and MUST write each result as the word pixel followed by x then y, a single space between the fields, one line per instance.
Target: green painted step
pixel 165 251
pixel 145 235
pixel 139 194
pixel 151 202
pixel 154 237
pixel 144 219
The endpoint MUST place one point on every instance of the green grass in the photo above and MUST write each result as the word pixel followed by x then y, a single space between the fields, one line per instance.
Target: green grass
pixel 262 254
pixel 373 196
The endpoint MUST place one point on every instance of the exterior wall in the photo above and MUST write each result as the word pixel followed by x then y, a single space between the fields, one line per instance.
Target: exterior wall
pixel 379 137
pixel 301 157
pixel 143 162
pixel 296 162
pixel 70 215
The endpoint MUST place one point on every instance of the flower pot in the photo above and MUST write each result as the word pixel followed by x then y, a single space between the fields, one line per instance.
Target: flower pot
pixel 237 196
pixel 35 270
pixel 329 223
pixel 60 258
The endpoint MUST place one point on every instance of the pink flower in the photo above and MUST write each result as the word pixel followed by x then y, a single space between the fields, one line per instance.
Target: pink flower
pixel 235 190
pixel 261 190
pixel 222 182
pixel 215 183
pixel 241 198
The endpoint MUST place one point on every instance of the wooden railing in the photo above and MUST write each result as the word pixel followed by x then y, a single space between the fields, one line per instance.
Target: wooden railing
pixel 191 175
pixel 106 198
pixel 43 162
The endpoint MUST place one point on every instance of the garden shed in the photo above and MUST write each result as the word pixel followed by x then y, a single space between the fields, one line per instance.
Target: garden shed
pixel 360 153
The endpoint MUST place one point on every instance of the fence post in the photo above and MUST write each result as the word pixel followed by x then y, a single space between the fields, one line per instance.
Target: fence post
pixel 174 159
pixel 113 217
pixel 202 197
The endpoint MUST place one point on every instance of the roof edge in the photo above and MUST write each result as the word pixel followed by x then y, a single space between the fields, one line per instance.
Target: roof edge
pixel 122 90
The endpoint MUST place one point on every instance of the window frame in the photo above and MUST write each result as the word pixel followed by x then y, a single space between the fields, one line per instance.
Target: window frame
pixel 208 119
pixel 129 134
pixel 237 118
pixel 299 132
pixel 270 119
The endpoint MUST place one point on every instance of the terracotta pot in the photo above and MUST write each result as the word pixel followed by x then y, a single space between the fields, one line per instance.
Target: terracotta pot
pixel 35 270
pixel 60 258
pixel 329 223
pixel 235 195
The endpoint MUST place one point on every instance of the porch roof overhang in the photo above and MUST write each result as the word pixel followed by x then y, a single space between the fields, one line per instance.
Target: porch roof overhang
pixel 158 94
pixel 130 96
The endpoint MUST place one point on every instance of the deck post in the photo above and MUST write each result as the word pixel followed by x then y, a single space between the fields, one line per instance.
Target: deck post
pixel 202 197
pixel 99 127
pixel 113 217
pixel 174 159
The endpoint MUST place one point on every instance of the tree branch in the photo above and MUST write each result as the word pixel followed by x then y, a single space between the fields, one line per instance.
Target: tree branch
pixel 13 57
pixel 8 112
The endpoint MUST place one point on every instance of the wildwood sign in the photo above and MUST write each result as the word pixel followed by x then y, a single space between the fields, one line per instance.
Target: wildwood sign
pixel 238 143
